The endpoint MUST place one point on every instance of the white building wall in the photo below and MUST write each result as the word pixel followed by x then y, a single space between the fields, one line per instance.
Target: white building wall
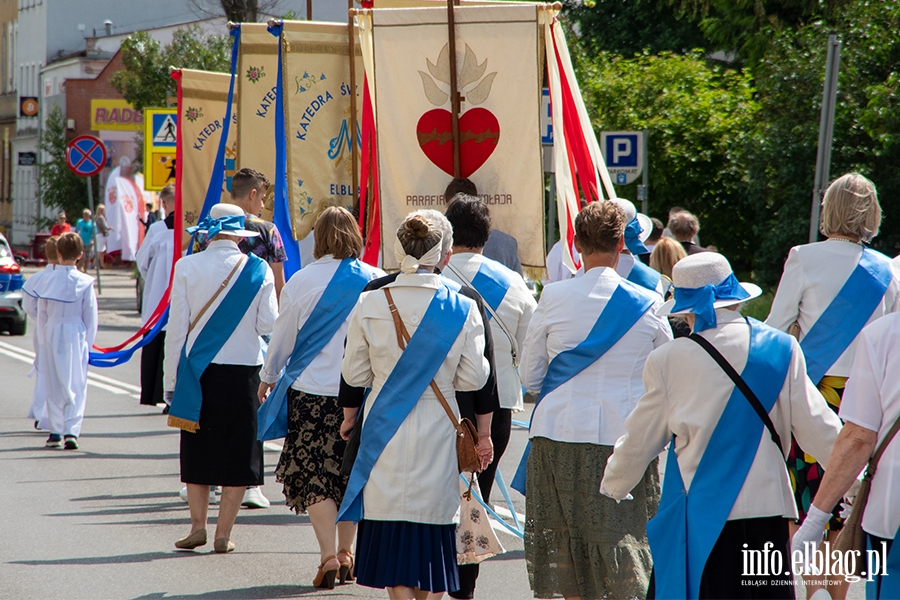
pixel 30 57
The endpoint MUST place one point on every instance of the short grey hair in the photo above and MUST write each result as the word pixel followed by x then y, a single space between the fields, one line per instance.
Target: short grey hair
pixel 437 219
pixel 850 208
pixel 684 226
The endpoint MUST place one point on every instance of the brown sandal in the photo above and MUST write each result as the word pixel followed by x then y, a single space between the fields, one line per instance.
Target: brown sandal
pixel 325 579
pixel 346 567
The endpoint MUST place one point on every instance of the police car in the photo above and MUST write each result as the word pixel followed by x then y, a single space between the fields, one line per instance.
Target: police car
pixel 12 315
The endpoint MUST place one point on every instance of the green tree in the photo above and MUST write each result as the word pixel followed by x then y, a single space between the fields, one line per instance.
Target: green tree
pixel 699 115
pixel 628 27
pixel 747 27
pixel 781 161
pixel 145 81
pixel 59 187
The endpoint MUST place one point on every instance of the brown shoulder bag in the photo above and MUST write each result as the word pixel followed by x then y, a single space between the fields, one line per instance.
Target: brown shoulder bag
pixel 466 434
pixel 852 536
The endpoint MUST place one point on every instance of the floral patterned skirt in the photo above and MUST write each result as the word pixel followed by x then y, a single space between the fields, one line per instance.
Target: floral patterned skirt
pixel 310 463
pixel 806 474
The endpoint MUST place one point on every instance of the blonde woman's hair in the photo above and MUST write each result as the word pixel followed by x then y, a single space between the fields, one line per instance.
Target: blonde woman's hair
pixel 336 233
pixel 850 208
pixel 665 254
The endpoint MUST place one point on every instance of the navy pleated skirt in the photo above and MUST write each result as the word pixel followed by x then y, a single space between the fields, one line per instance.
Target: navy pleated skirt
pixel 416 555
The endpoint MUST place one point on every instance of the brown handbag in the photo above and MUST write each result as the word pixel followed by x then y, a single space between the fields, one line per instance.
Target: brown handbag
pixel 852 536
pixel 466 434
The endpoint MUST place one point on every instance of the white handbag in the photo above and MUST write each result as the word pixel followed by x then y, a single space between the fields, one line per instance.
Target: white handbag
pixel 476 540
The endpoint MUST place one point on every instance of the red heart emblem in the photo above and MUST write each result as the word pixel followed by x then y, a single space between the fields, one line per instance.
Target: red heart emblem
pixel 479 134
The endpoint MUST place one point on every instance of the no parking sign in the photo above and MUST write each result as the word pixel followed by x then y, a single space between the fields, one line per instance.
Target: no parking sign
pixel 86 155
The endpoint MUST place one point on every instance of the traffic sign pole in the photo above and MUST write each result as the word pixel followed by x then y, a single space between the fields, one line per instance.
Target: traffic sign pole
pixel 94 234
pixel 85 156
pixel 643 196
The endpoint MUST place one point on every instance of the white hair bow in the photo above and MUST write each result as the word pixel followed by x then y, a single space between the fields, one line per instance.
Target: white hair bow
pixel 410 264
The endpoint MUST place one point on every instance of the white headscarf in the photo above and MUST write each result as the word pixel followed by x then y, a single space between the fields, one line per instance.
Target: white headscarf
pixel 410 264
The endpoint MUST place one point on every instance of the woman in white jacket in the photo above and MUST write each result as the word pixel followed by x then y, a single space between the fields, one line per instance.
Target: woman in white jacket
pixel 404 489
pixel 831 290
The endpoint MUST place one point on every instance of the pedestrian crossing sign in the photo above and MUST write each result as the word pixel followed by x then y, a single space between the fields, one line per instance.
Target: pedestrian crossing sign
pixel 160 139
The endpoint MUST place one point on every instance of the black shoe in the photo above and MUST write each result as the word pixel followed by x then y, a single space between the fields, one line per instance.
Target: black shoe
pixel 166 409
pixel 54 441
pixel 71 442
pixel 36 425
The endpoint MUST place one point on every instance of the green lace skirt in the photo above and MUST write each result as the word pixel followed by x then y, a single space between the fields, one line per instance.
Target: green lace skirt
pixel 577 541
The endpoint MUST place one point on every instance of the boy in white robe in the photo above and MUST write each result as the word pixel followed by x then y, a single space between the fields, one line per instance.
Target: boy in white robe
pixel 67 310
pixel 154 261
pixel 30 304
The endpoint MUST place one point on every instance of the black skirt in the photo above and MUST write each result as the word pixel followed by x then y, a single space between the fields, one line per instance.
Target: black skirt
pixel 152 370
pixel 225 450
pixel 723 575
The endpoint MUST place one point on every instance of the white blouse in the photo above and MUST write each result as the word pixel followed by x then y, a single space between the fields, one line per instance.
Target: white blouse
pixel 415 479
pixel 515 310
pixel 299 298
pixel 872 400
pixel 197 277
pixel 686 394
pixel 592 406
pixel 813 276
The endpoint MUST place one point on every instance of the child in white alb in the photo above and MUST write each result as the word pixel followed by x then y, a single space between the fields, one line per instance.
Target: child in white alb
pixel 67 312
pixel 30 304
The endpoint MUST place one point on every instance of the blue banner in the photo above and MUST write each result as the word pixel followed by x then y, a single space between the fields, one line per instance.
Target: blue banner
pixel 282 215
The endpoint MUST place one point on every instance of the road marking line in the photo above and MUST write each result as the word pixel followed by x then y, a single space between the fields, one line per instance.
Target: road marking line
pixel 504 512
pixel 104 383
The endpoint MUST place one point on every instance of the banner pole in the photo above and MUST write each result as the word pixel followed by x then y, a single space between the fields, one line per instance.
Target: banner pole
pixel 309 10
pixel 354 149
pixel 454 90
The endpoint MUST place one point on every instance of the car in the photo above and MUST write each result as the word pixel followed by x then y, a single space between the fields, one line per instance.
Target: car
pixel 12 316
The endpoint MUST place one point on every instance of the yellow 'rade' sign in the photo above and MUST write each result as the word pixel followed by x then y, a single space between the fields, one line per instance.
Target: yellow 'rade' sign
pixel 160 135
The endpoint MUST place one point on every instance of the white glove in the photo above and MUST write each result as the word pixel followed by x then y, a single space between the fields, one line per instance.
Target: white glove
pixel 811 532
pixel 608 495
pixel 846 509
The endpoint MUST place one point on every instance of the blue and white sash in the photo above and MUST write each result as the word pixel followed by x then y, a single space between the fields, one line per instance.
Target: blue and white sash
pixel 644 276
pixel 185 410
pixel 689 522
pixel 330 312
pixel 492 283
pixel 626 306
pixel 418 364
pixel 884 587
pixel 847 314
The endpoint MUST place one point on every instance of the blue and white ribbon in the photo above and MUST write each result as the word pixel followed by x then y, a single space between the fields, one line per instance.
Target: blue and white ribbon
pixel 214 227
pixel 701 301
pixel 633 241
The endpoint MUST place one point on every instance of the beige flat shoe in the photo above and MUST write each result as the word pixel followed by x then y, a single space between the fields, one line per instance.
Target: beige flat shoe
pixel 223 546
pixel 198 538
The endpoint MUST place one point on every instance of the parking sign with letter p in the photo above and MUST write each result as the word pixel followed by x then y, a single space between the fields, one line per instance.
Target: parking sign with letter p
pixel 623 153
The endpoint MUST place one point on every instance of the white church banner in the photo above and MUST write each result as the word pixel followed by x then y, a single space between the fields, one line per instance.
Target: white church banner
pixel 499 69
